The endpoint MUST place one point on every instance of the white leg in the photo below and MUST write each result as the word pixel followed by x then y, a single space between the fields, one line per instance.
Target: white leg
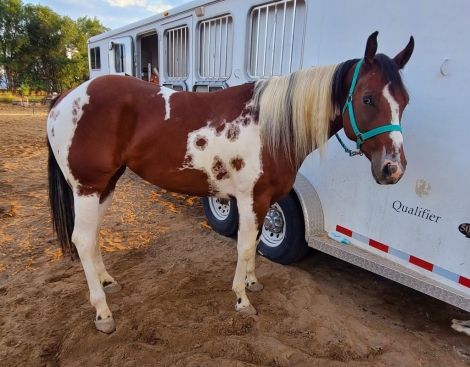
pixel 251 282
pixel 107 282
pixel 246 247
pixel 84 238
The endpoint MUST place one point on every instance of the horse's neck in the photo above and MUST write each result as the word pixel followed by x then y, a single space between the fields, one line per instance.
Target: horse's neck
pixel 335 126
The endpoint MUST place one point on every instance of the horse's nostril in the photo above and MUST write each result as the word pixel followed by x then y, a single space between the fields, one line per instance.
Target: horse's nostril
pixel 390 169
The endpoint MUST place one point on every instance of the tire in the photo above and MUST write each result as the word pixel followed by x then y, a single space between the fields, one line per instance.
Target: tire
pixel 222 215
pixel 283 232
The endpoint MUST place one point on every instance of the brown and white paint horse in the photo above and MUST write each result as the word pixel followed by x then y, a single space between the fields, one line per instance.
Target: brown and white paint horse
pixel 246 142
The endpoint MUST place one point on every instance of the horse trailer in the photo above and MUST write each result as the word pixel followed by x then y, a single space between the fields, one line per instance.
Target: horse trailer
pixel 416 232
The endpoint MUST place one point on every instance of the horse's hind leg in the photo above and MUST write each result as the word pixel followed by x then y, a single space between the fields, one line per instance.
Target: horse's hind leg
pixel 251 282
pixel 107 282
pixel 246 247
pixel 84 238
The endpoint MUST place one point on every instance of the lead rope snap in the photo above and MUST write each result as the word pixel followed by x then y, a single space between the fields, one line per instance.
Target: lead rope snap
pixel 346 149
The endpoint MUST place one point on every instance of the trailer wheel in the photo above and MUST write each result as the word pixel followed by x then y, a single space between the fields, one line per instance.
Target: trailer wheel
pixel 222 215
pixel 283 232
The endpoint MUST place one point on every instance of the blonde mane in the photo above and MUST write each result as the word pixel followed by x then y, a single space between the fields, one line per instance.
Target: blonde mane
pixel 295 111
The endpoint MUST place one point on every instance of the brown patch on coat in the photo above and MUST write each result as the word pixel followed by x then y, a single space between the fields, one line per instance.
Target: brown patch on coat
pixel 233 132
pixel 200 142
pixel 219 129
pixel 219 169
pixel 237 163
pixel 52 131
pixel 75 110
pixel 54 114
pixel 83 190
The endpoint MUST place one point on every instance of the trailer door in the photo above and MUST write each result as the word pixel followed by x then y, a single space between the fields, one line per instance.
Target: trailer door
pixel 120 56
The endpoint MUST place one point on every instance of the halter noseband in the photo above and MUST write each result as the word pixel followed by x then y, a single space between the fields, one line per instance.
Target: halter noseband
pixel 360 136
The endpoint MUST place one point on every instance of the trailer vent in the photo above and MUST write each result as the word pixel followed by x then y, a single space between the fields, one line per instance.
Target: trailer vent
pixel 276 38
pixel 177 87
pixel 177 53
pixel 215 48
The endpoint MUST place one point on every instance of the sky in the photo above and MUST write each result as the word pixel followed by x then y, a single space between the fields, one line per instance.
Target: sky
pixel 111 13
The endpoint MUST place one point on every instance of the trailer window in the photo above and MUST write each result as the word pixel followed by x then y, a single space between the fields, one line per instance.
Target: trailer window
pixel 177 53
pixel 119 58
pixel 95 59
pixel 215 48
pixel 276 38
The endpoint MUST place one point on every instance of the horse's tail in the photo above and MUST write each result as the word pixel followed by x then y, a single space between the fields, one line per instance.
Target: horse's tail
pixel 61 202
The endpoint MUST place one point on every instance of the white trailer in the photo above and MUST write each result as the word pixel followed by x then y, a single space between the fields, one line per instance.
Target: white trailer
pixel 416 232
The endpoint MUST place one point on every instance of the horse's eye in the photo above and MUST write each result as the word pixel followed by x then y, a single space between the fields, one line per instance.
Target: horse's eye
pixel 367 101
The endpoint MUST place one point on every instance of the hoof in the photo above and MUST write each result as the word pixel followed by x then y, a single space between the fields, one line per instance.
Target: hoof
pixel 460 322
pixel 249 310
pixel 111 288
pixel 106 326
pixel 254 287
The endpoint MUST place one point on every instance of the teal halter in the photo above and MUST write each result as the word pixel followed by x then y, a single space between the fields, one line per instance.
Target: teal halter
pixel 360 136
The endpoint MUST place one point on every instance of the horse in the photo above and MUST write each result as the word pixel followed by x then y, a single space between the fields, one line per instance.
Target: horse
pixel 246 142
pixel 155 77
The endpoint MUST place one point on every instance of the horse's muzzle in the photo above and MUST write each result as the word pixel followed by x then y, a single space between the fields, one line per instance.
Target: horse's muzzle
pixel 390 172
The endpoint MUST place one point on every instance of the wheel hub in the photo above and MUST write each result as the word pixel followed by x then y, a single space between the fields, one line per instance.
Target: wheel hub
pixel 273 221
pixel 220 207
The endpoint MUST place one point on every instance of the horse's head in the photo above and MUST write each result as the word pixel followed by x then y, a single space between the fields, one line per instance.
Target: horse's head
pixel 373 110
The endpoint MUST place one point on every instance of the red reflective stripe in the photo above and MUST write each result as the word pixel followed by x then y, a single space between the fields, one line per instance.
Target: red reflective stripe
pixel 345 231
pixel 378 245
pixel 464 281
pixel 421 263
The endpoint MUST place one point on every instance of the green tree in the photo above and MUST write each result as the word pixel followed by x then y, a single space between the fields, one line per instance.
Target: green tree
pixel 41 49
pixel 11 39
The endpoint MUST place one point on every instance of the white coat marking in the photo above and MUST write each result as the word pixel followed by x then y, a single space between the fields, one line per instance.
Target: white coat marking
pixel 246 147
pixel 396 136
pixel 166 94
pixel 61 124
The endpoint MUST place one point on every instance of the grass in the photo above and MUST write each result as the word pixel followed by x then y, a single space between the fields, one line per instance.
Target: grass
pixel 8 97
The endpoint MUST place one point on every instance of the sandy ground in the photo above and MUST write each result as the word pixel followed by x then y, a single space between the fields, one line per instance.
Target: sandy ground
pixel 176 307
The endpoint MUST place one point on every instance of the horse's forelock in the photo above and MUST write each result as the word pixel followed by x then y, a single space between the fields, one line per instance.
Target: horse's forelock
pixel 390 71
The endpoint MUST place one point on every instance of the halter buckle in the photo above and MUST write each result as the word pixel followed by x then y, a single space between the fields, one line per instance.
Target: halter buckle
pixel 360 138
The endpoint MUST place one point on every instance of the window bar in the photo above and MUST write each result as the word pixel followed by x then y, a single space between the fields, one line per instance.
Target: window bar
pixel 215 49
pixel 186 53
pixel 226 47
pixel 265 41
pixel 169 53
pixel 274 40
pixel 292 36
pixel 209 56
pixel 250 50
pixel 173 51
pixel 203 43
pixel 257 42
pixel 220 48
pixel 283 36
pixel 180 52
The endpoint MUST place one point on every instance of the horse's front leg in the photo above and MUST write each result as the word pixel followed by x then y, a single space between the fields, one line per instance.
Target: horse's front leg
pixel 84 238
pixel 246 247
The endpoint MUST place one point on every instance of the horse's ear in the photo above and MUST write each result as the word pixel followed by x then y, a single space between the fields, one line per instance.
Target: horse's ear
pixel 371 48
pixel 402 58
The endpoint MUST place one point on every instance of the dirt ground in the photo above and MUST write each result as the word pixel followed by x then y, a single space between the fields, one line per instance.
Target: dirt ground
pixel 176 307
